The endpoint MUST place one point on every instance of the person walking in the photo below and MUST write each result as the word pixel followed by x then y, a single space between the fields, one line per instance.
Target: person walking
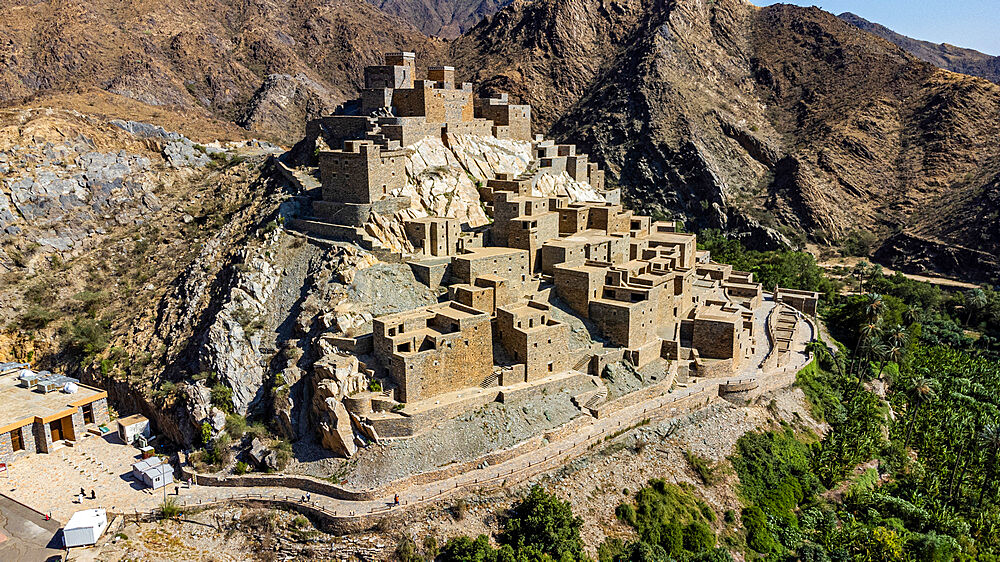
pixel 93 495
pixel 395 499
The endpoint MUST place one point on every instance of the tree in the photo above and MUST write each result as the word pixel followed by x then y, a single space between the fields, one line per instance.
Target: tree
pixel 545 522
pixel 921 391
pixel 975 301
pixel 989 438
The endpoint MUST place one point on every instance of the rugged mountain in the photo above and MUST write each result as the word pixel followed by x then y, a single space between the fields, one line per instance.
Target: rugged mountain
pixel 441 18
pixel 266 64
pixel 781 122
pixel 943 55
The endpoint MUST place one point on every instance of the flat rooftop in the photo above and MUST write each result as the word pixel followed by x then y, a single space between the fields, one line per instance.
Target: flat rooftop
pixel 20 406
pixel 672 237
pixel 474 253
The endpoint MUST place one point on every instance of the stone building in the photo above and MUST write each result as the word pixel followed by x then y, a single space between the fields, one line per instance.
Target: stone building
pixel 532 337
pixel 642 284
pixel 434 350
pixel 434 236
pixel 805 302
pixel 37 413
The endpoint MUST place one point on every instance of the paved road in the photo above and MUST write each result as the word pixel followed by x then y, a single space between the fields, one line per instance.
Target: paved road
pixel 28 537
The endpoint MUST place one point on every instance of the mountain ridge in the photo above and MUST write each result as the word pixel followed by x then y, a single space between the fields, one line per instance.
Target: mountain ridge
pixel 943 55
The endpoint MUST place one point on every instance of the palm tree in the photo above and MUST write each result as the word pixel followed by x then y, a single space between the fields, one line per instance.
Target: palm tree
pixel 868 331
pixel 894 354
pixel 963 438
pixel 975 301
pixel 912 315
pixel 865 373
pixel 861 271
pixel 898 335
pixel 874 306
pixel 921 391
pixel 989 439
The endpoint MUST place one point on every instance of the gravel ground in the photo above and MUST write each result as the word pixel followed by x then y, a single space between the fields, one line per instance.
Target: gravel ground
pixel 388 288
pixel 490 428
pixel 597 483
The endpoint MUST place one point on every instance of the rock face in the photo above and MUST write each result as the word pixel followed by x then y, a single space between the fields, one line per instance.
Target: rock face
pixel 334 378
pixel 64 192
pixel 767 121
pixel 441 18
pixel 283 99
pixel 232 343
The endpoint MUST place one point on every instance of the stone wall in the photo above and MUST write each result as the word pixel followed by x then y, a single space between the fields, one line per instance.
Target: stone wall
pixel 715 339
pixel 43 437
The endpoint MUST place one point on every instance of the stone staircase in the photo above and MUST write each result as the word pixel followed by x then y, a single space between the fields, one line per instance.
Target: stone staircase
pixel 490 381
pixel 375 134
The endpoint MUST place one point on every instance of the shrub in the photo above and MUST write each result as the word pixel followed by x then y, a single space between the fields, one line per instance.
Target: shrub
pixel 236 425
pixel 774 470
pixel 755 524
pixel 544 522
pixel 859 243
pixel 88 336
pixel 702 467
pixel 241 468
pixel 92 301
pixel 36 317
pixel 375 386
pixel 257 430
pixel 166 391
pixel 169 508
pixel 460 509
pixel 284 453
pixel 698 537
pixel 206 433
pixel 222 397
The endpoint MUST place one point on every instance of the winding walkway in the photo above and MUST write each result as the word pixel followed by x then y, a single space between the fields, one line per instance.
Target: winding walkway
pixel 587 434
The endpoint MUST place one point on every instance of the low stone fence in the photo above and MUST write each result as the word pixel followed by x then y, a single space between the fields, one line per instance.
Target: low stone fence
pixel 742 385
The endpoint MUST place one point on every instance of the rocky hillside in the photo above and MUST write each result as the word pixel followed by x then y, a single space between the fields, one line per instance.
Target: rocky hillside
pixel 441 18
pixel 943 55
pixel 785 123
pixel 265 64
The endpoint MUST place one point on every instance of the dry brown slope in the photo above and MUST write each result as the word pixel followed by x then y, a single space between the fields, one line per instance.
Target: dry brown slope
pixel 774 121
pixel 266 64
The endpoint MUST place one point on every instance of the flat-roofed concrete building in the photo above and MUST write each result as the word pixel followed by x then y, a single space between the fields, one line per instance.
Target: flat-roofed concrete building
pixel 37 413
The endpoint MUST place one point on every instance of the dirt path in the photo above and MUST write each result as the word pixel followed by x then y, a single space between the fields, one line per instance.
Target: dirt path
pixel 849 263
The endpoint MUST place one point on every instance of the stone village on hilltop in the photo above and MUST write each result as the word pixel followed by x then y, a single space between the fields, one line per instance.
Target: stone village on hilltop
pixel 646 288
pixel 545 284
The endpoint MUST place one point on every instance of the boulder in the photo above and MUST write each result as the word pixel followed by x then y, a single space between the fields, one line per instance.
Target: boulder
pixel 336 433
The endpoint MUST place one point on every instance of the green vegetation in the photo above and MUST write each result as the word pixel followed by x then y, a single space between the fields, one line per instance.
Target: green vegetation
pixel 541 527
pixel 236 425
pixel 908 470
pixel 222 397
pixel 241 468
pixel 169 508
pixel 911 470
pixel 703 468
pixel 671 524
pixel 792 270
